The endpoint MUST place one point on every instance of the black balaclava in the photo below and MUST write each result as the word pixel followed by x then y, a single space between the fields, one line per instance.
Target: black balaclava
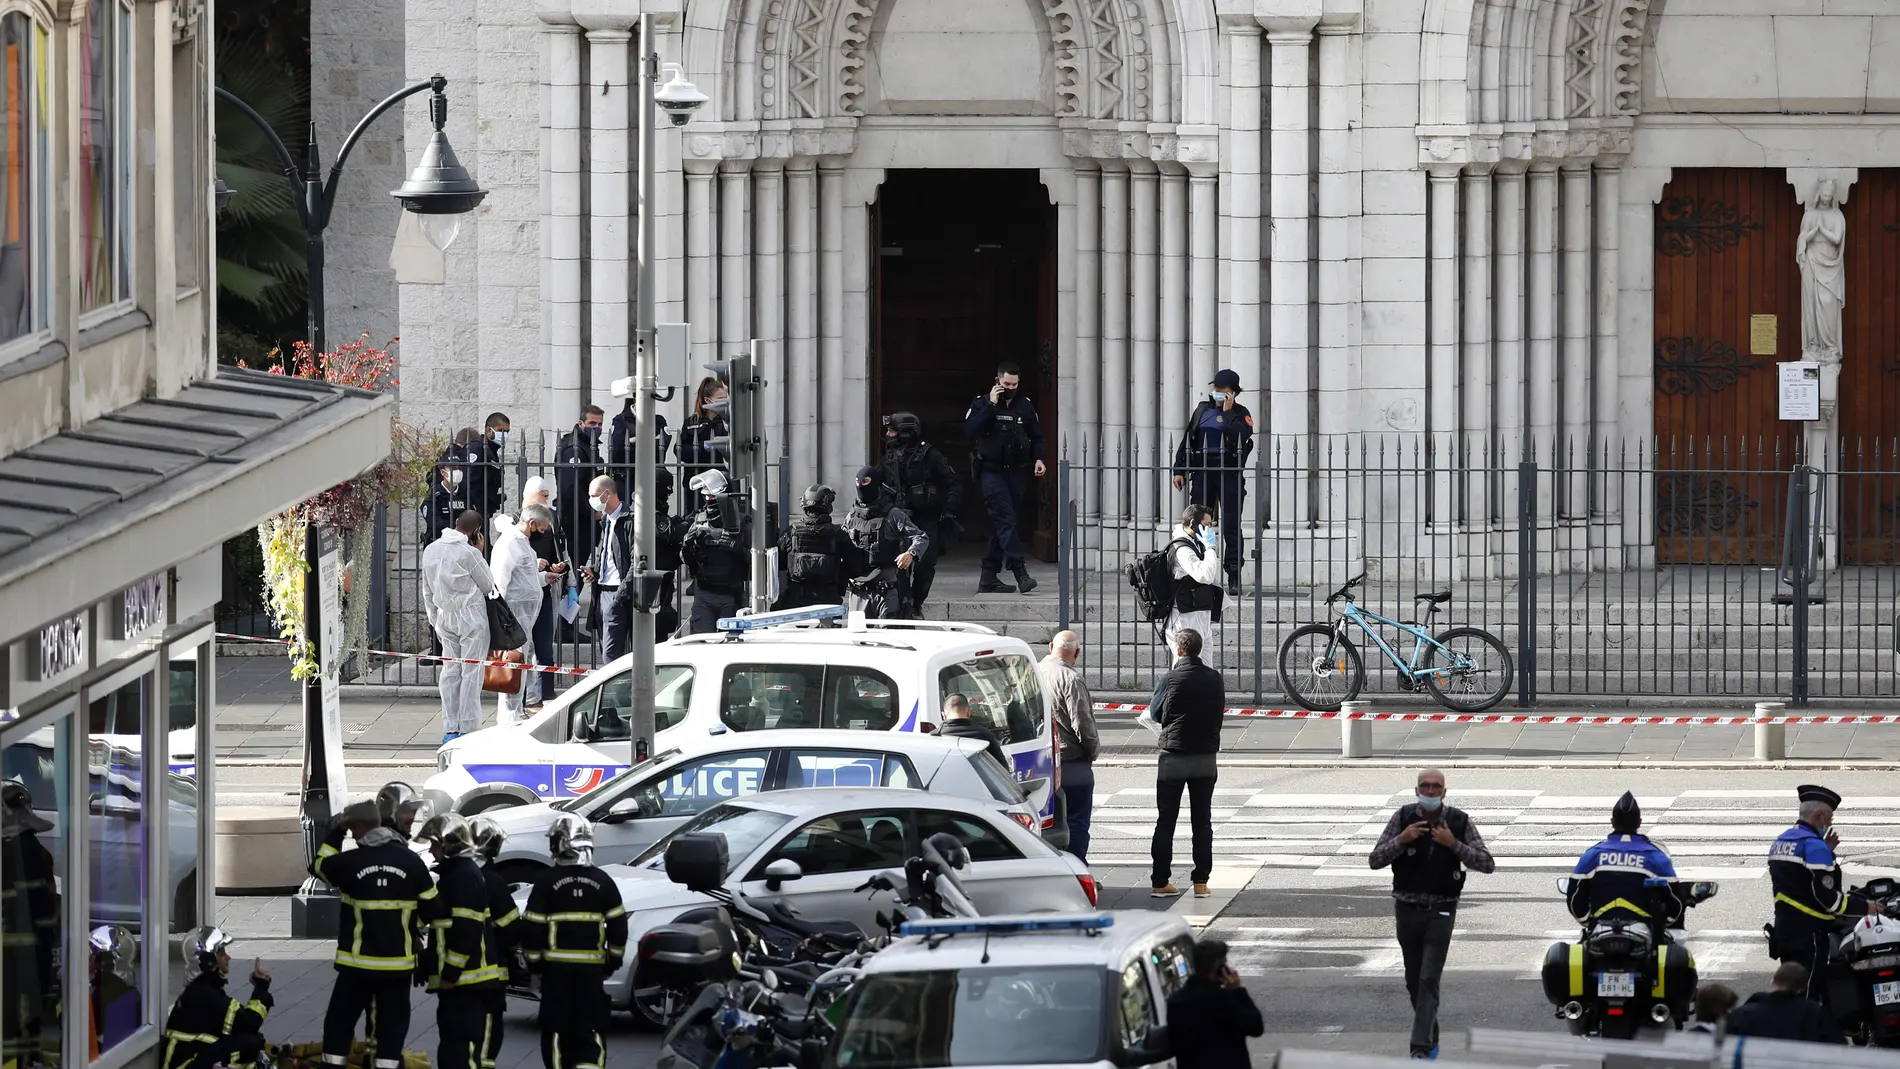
pixel 869 493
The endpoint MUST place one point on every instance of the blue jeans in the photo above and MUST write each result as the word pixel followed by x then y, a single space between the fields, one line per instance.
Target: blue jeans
pixel 1080 798
pixel 1003 493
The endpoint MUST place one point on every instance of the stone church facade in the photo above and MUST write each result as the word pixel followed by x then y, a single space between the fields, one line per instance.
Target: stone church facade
pixel 1469 222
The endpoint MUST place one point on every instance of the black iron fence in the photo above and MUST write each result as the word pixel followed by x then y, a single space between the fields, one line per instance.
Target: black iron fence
pixel 1634 569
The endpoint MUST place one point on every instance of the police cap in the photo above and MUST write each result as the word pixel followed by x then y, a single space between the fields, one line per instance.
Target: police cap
pixel 1228 379
pixel 1809 792
pixel 1626 815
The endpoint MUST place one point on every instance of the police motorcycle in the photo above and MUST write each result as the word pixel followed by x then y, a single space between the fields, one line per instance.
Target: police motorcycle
pixel 1622 973
pixel 1863 969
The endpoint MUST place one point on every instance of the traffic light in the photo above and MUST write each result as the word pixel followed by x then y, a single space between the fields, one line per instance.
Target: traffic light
pixel 739 447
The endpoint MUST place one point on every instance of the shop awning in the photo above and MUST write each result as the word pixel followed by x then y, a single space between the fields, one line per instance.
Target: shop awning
pixel 91 511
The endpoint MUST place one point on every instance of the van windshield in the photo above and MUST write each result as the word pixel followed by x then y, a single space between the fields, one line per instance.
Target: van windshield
pixel 1032 1015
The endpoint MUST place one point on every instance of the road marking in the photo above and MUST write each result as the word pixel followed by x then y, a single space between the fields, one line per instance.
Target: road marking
pixel 1225 881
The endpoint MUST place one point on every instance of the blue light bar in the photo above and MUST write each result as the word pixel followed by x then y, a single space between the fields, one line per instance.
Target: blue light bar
pixel 1027 922
pixel 782 617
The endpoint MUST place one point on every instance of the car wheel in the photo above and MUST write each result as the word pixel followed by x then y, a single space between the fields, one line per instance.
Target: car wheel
pixel 656 1008
pixel 489 802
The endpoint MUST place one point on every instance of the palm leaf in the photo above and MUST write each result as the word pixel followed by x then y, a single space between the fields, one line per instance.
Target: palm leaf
pixel 261 243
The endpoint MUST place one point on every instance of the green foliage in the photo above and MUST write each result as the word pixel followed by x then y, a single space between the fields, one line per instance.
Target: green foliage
pixel 262 277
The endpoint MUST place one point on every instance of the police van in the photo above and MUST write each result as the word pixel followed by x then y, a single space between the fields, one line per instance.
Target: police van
pixel 800 668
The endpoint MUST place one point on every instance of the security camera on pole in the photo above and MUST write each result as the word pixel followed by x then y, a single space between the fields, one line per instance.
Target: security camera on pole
pixel 743 447
pixel 679 98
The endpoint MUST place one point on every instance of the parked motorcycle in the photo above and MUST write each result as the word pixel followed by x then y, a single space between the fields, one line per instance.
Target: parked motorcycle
pixel 1863 971
pixel 1624 973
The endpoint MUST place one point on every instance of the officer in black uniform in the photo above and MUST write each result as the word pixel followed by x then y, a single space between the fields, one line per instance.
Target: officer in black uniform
pixel 482 457
pixel 1811 898
pixel 504 927
pixel 1210 460
pixel 623 450
pixel 575 936
pixel 468 970
pixel 928 490
pixel 447 502
pixel 893 545
pixel 820 558
pixel 384 885
pixel 1008 446
pixel 669 538
pixel 715 552
pixel 577 462
pixel 208 1026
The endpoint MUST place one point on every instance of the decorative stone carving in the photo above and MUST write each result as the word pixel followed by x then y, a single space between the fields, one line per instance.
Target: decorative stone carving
pixel 1586 28
pixel 854 44
pixel 185 16
pixel 807 58
pixel 1628 19
pixel 1062 26
pixel 1106 67
pixel 1820 253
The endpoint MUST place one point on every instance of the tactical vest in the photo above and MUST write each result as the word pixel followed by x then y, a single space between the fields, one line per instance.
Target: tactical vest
pixel 867 533
pixel 910 471
pixel 812 563
pixel 1426 867
pixel 1005 443
pixel 723 568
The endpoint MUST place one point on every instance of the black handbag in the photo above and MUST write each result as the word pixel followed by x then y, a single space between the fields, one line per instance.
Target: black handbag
pixel 504 631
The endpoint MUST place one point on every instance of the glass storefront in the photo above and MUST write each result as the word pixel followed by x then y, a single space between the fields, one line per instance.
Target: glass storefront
pixel 117 858
pixel 38 807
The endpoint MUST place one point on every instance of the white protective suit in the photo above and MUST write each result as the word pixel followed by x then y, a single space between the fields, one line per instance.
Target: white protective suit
pixel 455 582
pixel 1202 568
pixel 518 572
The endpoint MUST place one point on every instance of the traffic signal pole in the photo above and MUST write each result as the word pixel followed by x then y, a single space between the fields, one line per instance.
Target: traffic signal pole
pixel 646 376
pixel 754 448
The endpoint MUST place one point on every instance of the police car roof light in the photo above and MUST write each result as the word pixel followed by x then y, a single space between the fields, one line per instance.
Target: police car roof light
pixel 755 621
pixel 1029 922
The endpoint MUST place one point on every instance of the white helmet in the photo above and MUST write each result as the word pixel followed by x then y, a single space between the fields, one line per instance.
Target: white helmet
pixel 711 482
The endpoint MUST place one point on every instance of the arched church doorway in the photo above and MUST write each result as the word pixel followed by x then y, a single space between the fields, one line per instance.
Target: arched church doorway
pixel 964 277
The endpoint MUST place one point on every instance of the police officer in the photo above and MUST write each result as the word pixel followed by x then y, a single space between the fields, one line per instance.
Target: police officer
pixel 715 553
pixel 575 936
pixel 504 926
pixel 928 490
pixel 1609 880
pixel 577 463
pixel 1810 896
pixel 1007 447
pixel 468 972
pixel 669 540
pixel 891 543
pixel 820 558
pixel 485 493
pixel 623 449
pixel 208 1026
pixel 383 885
pixel 446 502
pixel 32 918
pixel 1211 458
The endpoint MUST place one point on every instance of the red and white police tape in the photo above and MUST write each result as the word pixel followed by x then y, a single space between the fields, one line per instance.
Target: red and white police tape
pixel 1262 713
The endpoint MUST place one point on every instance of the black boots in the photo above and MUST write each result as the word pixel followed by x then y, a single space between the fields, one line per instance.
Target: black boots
pixel 992 585
pixel 1024 583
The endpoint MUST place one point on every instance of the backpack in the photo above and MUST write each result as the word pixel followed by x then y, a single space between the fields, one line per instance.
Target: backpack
pixel 1152 577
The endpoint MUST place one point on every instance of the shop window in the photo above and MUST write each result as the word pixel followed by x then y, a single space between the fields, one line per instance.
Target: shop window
pixel 116 858
pixel 24 178
pixel 105 156
pixel 181 788
pixel 37 810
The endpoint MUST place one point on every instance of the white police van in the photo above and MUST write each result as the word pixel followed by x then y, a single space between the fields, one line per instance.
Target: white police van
pixel 801 668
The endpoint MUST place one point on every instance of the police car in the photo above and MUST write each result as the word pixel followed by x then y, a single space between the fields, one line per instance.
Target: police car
pixel 1086 989
pixel 802 668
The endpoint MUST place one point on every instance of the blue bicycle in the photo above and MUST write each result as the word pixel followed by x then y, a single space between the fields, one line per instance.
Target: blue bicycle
pixel 1465 668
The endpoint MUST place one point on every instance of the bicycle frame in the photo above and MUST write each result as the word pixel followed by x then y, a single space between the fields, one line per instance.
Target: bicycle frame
pixel 1357 616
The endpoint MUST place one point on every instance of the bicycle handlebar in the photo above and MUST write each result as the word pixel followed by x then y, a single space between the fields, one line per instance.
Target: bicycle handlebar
pixel 1346 591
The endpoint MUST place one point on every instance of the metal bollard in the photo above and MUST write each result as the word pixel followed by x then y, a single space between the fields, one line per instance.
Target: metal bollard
pixel 1355 736
pixel 1771 740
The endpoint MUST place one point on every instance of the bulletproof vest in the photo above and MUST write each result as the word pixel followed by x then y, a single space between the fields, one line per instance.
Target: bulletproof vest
pixel 722 558
pixel 1426 867
pixel 866 527
pixel 813 563
pixel 1005 443
pixel 910 472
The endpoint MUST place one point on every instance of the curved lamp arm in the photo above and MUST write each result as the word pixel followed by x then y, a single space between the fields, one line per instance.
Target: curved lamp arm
pixel 435 82
pixel 283 151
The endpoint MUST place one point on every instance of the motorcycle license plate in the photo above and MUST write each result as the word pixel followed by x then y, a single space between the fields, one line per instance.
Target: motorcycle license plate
pixel 1887 994
pixel 1616 985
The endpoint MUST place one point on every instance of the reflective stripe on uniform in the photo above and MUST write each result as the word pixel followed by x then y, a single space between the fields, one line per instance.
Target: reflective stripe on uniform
pixel 580 957
pixel 480 916
pixel 191 1037
pixel 364 961
pixel 378 903
pixel 572 918
pixel 1622 903
pixel 1781 896
pixel 481 975
pixel 507 918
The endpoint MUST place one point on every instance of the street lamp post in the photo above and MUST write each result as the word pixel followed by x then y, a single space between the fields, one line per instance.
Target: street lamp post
pixel 679 98
pixel 439 191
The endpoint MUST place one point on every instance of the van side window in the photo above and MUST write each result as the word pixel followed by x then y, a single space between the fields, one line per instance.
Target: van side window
pixel 1004 695
pixel 1137 1004
pixel 1174 961
pixel 755 697
pixel 608 712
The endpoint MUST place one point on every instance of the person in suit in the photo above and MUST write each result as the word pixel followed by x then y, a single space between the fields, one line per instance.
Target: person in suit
pixel 609 567
pixel 577 460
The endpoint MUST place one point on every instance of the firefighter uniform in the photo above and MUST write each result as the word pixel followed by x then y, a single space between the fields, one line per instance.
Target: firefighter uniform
pixel 382 884
pixel 575 935
pixel 504 933
pixel 469 971
pixel 1810 895
pixel 207 1026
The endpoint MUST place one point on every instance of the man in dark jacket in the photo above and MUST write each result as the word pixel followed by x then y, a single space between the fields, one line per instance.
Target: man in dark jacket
pixel 1186 717
pixel 208 1025
pixel 927 489
pixel 577 463
pixel 958 724
pixel 1785 1012
pixel 819 555
pixel 1211 1017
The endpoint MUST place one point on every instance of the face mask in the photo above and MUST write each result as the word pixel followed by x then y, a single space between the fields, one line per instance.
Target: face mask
pixel 1430 803
pixel 501 438
pixel 592 434
pixel 455 477
pixel 596 503
pixel 1217 397
pixel 1209 535
pixel 1006 396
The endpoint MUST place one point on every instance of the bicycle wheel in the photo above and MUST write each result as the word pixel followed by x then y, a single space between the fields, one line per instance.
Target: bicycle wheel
pixel 1320 671
pixel 1480 666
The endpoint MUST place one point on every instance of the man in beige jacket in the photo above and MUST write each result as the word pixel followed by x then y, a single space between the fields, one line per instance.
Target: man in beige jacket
pixel 1075 734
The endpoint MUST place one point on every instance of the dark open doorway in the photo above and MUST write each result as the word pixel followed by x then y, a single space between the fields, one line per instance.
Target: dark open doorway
pixel 965 278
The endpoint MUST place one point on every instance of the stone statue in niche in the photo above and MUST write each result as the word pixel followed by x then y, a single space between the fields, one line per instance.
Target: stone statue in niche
pixel 1820 253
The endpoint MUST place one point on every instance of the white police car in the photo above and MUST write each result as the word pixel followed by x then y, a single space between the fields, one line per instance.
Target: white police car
pixel 1085 990
pixel 802 668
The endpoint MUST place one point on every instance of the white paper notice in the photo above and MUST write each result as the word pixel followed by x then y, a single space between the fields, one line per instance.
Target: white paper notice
pixel 330 648
pixel 1800 390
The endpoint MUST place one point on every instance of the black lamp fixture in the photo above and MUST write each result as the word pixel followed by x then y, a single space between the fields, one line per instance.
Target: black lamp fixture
pixel 221 195
pixel 440 191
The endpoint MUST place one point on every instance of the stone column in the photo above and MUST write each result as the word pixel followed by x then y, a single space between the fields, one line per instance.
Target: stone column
pixel 854 410
pixel 1144 309
pixel 1088 334
pixel 1203 278
pixel 1290 381
pixel 1574 443
pixel 769 294
pixel 1540 369
pixel 1442 419
pixel 610 238
pixel 735 268
pixel 1176 379
pixel 562 301
pixel 1508 359
pixel 1060 184
pixel 801 299
pixel 1641 189
pixel 1339 209
pixel 831 315
pixel 1474 386
pixel 1115 384
pixel 1240 170
pixel 1605 357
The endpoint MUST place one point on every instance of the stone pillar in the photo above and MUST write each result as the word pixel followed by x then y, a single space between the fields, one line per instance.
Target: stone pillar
pixel 1474 386
pixel 831 316
pixel 1540 368
pixel 702 287
pixel 1508 358
pixel 609 239
pixel 562 301
pixel 1641 188
pixel 1115 385
pixel 1339 208
pixel 1060 184
pixel 1203 278
pixel 735 268
pixel 1290 380
pixel 801 299
pixel 1442 419
pixel 1240 343
pixel 854 409
pixel 1575 447
pixel 1176 378
pixel 1088 346
pixel 1605 357
pixel 768 184
pixel 1144 309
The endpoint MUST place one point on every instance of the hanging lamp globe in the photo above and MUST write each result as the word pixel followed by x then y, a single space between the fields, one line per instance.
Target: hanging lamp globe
pixel 439 189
